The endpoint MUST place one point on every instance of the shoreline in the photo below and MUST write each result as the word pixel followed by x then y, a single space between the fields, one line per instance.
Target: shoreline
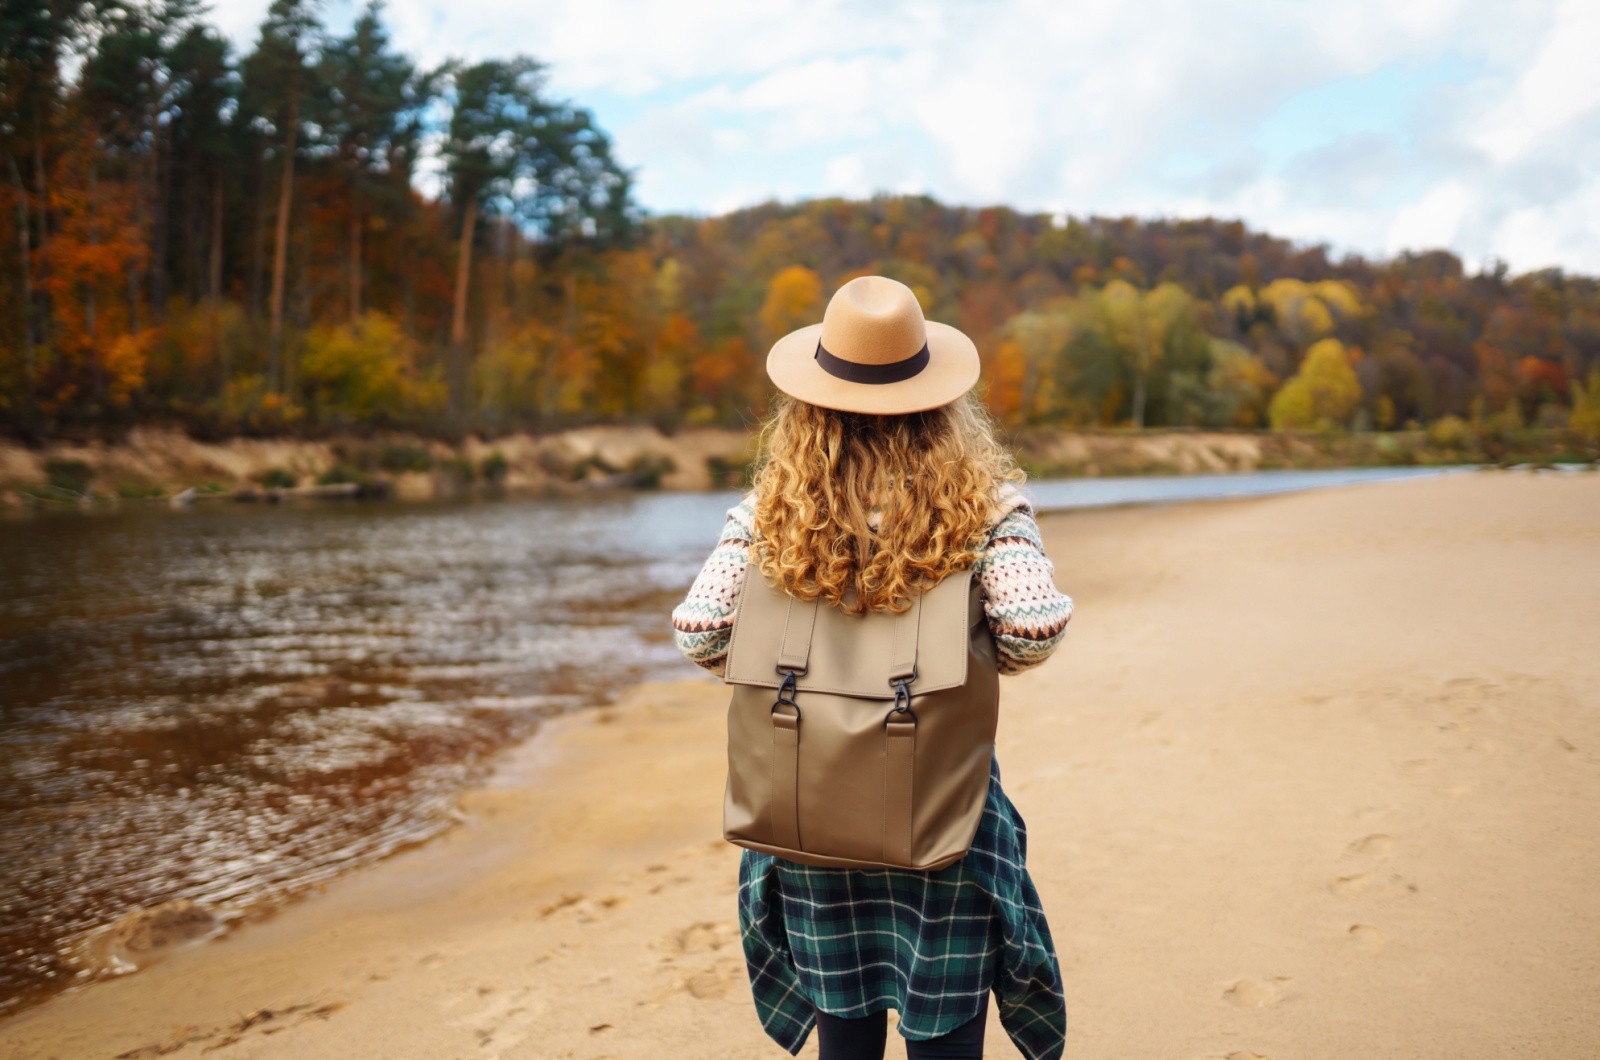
pixel 165 466
pixel 1208 836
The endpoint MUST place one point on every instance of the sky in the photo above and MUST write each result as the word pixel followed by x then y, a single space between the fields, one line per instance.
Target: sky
pixel 1374 126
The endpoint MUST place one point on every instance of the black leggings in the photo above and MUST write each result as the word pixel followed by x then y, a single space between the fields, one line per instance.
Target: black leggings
pixel 864 1038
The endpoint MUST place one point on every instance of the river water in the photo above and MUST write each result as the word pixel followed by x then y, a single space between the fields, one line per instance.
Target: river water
pixel 233 704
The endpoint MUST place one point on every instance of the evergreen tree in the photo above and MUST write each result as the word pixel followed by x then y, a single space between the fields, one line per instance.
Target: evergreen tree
pixel 368 93
pixel 278 78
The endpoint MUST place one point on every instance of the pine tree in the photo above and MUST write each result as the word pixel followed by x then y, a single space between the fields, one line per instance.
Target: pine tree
pixel 278 77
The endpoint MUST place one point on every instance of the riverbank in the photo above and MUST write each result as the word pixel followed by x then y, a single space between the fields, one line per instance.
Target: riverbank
pixel 155 464
pixel 1311 777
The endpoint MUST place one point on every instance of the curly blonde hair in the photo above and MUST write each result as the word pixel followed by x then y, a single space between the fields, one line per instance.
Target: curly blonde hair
pixel 863 511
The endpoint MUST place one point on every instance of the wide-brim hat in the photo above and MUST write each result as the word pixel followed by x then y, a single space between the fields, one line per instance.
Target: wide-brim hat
pixel 874 353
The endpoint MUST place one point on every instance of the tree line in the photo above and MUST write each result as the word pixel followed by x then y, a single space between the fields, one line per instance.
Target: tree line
pixel 322 234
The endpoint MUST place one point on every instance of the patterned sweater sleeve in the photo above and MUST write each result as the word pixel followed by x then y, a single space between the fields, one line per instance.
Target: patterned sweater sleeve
pixel 1027 614
pixel 703 624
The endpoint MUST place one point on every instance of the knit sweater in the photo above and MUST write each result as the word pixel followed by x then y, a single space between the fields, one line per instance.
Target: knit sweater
pixel 1026 613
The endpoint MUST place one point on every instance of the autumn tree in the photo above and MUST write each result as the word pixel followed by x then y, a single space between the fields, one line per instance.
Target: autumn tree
pixel 33 43
pixel 1322 394
pixel 794 300
pixel 1140 325
pixel 366 372
pixel 1585 420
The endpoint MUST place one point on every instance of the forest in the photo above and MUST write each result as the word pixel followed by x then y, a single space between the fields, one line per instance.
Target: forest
pixel 323 235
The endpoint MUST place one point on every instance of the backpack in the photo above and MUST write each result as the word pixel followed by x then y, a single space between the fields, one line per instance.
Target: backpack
pixel 860 741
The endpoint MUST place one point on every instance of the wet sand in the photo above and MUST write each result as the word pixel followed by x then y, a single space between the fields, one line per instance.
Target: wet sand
pixel 1314 776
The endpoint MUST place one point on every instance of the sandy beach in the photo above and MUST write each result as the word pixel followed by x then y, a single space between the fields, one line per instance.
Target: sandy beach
pixel 1314 776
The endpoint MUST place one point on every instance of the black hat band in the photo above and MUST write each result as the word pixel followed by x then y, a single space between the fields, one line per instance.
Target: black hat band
pixel 872 374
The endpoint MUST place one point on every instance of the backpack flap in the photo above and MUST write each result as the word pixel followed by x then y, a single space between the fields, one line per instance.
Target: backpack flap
pixel 851 655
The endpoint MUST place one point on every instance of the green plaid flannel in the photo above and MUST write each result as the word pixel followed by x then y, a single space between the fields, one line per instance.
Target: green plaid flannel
pixel 929 945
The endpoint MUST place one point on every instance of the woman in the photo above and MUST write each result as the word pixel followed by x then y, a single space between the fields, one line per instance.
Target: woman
pixel 880 476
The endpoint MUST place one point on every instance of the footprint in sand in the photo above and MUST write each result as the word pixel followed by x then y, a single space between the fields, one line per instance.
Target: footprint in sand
pixel 1257 993
pixel 714 965
pixel 1246 1054
pixel 1350 886
pixel 1366 937
pixel 704 937
pixel 1377 846
pixel 499 1019
pixel 1361 882
pixel 715 981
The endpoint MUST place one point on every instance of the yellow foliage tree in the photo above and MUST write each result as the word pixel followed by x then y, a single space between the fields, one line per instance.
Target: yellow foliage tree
pixel 1307 312
pixel 1322 394
pixel 1138 325
pixel 1585 420
pixel 366 371
pixel 1240 303
pixel 1339 297
pixel 510 376
pixel 794 299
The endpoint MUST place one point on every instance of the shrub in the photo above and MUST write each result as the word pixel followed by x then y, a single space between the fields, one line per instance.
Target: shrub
pixel 493 468
pixel 71 475
pixel 1451 432
pixel 247 403
pixel 647 469
pixel 732 474
pixel 1391 451
pixel 366 372
pixel 339 474
pixel 461 469
pixel 400 458
pixel 276 478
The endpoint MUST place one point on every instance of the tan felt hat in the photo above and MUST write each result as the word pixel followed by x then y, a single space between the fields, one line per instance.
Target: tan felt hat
pixel 874 353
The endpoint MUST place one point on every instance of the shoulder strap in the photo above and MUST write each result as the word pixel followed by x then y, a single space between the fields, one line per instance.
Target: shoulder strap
pixel 794 657
pixel 903 654
pixel 795 652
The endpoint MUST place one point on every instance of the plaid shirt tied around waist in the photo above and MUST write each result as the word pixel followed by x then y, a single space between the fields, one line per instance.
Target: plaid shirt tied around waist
pixel 852 942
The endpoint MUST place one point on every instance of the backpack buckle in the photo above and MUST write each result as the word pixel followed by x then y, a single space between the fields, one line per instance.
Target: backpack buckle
pixel 902 699
pixel 787 690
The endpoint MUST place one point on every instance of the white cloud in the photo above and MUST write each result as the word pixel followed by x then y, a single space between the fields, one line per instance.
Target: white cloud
pixel 1560 84
pixel 1431 221
pixel 1098 106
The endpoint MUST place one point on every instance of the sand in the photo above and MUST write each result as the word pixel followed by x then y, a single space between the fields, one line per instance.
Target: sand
pixel 1314 776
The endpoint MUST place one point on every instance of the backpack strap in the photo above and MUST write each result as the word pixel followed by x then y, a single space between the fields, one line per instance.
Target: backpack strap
pixel 900 737
pixel 798 623
pixel 903 654
pixel 899 761
pixel 793 659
